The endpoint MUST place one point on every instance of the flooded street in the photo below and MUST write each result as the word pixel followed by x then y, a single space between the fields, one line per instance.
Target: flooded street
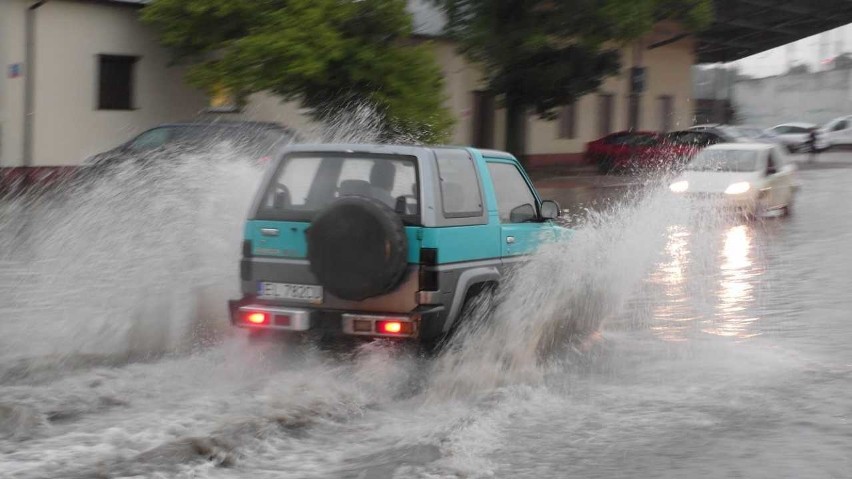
pixel 723 348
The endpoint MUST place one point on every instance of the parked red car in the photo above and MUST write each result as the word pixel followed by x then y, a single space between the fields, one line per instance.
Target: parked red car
pixel 621 149
pixel 626 150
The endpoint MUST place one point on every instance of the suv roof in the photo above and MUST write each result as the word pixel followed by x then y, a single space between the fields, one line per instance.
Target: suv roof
pixel 393 149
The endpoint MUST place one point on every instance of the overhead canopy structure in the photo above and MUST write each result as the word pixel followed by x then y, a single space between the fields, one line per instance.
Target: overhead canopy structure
pixel 745 27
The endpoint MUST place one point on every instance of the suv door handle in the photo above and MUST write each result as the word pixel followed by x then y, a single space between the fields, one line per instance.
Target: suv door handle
pixel 510 240
pixel 269 231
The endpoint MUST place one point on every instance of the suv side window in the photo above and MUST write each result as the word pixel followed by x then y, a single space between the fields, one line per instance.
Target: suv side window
pixel 511 189
pixel 840 125
pixel 460 193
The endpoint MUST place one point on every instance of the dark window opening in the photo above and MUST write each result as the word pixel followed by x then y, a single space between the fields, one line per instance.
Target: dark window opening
pixel 666 112
pixel 483 119
pixel 567 124
pixel 634 109
pixel 605 114
pixel 115 82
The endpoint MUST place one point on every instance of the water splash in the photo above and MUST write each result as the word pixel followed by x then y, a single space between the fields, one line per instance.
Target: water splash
pixel 136 264
pixel 559 299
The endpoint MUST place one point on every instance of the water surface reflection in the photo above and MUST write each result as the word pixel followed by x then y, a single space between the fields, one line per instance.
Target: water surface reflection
pixel 707 282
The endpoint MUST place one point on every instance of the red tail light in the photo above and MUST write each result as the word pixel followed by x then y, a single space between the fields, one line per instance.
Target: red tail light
pixel 393 327
pixel 257 318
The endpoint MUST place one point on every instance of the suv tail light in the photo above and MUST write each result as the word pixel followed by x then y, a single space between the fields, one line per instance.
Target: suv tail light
pixel 403 328
pixel 379 325
pixel 258 318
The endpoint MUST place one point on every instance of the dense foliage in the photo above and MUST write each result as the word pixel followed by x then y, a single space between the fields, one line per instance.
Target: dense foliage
pixel 326 54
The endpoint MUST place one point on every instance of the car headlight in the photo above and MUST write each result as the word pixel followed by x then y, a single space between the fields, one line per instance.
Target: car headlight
pixel 679 186
pixel 738 188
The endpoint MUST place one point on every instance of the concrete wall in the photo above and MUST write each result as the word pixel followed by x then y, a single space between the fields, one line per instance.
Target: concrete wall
pixel 811 97
pixel 11 89
pixel 68 126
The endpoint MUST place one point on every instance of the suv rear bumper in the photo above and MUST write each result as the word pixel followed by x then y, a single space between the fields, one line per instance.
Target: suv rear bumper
pixel 420 323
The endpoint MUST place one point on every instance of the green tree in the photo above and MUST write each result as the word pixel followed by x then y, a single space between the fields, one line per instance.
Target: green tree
pixel 542 54
pixel 326 54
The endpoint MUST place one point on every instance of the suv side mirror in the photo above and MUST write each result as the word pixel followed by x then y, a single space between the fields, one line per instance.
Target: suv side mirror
pixel 522 214
pixel 550 210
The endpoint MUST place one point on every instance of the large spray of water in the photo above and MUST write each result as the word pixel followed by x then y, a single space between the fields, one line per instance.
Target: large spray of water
pixel 137 263
pixel 559 300
pixel 141 262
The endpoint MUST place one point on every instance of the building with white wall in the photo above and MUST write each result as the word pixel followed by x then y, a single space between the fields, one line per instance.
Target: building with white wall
pixel 98 76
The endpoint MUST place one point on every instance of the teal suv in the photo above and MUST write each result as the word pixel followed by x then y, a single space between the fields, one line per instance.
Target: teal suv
pixel 384 240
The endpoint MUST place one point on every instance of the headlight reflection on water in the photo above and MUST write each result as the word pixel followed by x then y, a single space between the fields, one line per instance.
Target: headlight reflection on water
pixel 736 286
pixel 727 288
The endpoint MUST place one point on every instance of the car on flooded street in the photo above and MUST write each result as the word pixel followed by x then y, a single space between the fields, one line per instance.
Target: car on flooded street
pixel 796 136
pixel 672 150
pixel 621 150
pixel 837 132
pixel 254 140
pixel 384 241
pixel 634 151
pixel 749 178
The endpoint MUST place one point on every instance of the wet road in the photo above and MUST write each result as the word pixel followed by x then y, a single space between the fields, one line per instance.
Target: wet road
pixel 723 352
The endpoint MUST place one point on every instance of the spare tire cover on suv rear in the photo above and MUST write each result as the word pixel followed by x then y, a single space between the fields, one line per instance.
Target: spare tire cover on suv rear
pixel 357 248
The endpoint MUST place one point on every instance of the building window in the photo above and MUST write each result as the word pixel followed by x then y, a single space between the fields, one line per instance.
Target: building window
pixel 115 82
pixel 605 114
pixel 483 119
pixel 567 122
pixel 634 109
pixel 666 112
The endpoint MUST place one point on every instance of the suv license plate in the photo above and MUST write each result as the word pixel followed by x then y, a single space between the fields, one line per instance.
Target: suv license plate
pixel 305 293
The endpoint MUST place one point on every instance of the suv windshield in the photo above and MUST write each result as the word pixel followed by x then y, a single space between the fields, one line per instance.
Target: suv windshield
pixel 724 160
pixel 305 183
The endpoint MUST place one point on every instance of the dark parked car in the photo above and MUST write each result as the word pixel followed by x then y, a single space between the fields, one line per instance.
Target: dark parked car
pixel 678 147
pixel 257 140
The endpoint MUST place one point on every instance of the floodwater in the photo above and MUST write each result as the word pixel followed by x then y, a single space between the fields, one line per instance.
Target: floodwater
pixel 658 342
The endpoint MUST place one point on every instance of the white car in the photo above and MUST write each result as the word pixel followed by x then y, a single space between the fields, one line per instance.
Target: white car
pixel 752 178
pixel 836 132
pixel 795 135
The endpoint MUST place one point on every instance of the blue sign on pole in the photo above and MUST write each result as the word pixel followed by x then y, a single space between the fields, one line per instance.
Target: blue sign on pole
pixel 14 70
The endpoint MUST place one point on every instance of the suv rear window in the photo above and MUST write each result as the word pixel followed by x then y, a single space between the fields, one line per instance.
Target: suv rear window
pixel 305 183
